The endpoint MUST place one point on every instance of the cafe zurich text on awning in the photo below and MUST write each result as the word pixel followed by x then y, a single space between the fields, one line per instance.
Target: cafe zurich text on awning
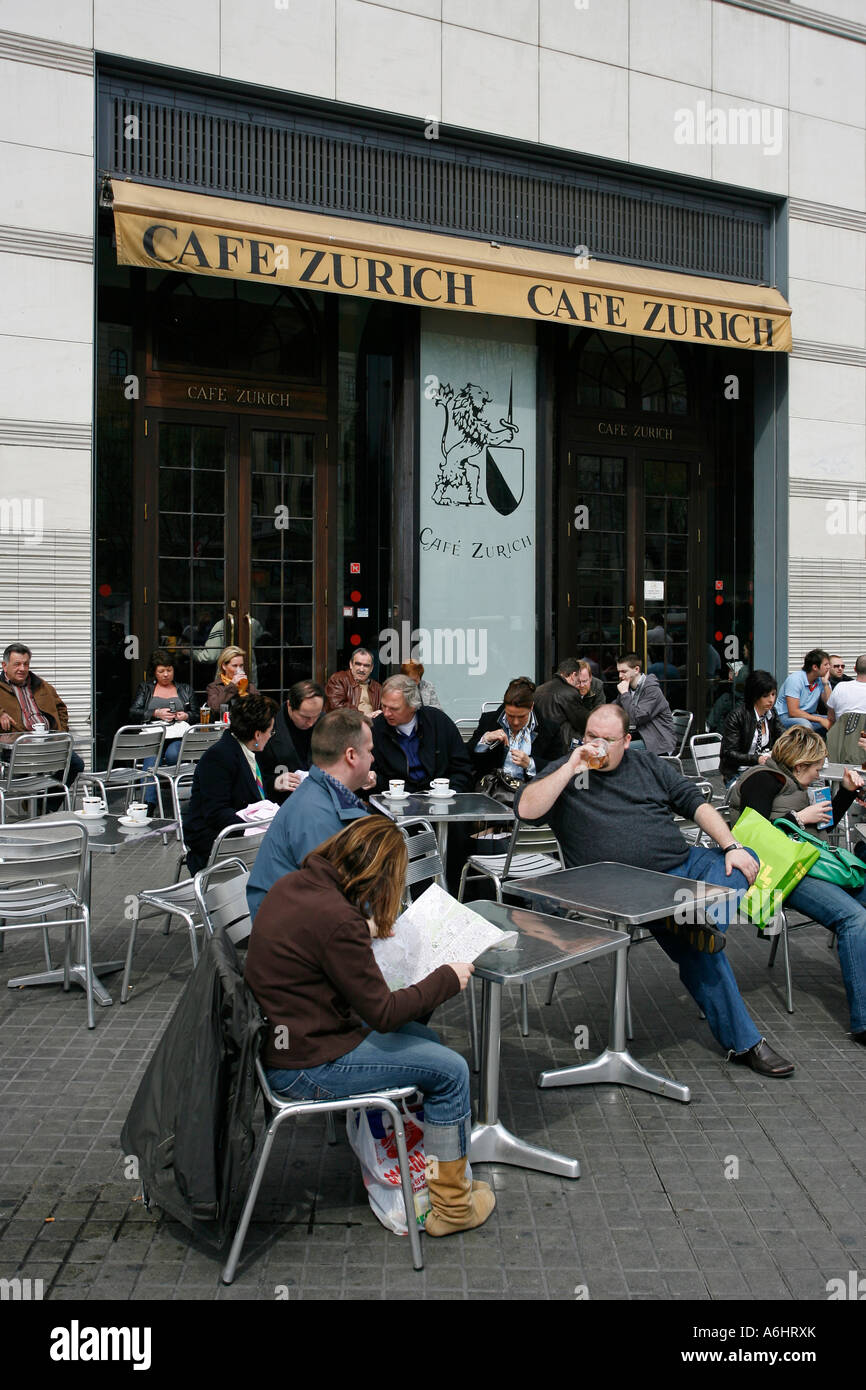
pixel 201 235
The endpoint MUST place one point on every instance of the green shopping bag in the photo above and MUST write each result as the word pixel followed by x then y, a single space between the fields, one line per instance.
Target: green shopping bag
pixel 784 862
pixel 834 864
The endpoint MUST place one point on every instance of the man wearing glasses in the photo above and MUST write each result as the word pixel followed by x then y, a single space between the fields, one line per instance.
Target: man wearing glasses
pixel 604 802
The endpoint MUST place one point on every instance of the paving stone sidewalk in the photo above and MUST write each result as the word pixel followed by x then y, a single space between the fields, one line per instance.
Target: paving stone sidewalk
pixel 754 1190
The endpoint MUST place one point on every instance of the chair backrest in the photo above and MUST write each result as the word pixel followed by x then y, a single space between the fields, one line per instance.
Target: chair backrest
pixel 424 860
pixel 706 751
pixel 221 893
pixel 683 721
pixel 197 739
pixel 531 839
pixel 490 705
pixel 35 851
pixel 35 755
pixel 466 728
pixel 238 842
pixel 133 743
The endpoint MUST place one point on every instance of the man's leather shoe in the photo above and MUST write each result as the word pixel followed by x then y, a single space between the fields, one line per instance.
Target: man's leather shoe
pixel 762 1059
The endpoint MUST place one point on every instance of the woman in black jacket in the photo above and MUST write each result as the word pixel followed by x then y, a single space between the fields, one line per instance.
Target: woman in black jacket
pixel 227 777
pixel 750 729
pixel 165 699
pixel 513 738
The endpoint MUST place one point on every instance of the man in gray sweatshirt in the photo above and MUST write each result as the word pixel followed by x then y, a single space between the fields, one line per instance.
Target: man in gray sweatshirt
pixel 649 714
pixel 622 812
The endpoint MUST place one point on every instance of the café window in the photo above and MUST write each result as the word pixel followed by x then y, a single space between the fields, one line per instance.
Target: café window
pixel 613 372
pixel 229 326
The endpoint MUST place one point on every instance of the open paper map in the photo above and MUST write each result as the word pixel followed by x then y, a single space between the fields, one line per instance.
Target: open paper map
pixel 434 931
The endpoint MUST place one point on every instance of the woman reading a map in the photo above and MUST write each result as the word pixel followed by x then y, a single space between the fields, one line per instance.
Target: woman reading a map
pixel 335 1028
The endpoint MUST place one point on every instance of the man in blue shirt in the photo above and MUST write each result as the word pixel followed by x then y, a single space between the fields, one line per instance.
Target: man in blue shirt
pixel 324 803
pixel 800 693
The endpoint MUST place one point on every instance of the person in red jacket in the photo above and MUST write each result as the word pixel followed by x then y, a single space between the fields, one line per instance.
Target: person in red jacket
pixel 334 1026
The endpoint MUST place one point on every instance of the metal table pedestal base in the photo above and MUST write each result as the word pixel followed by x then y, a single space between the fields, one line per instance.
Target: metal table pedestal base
pixel 76 977
pixel 491 1142
pixel 616 1065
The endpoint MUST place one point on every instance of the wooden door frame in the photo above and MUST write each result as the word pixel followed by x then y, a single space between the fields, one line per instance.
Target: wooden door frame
pixel 237 519
pixel 635 454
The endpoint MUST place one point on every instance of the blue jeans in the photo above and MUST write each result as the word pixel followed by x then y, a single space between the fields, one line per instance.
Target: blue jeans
pixel 411 1056
pixel 845 914
pixel 788 723
pixel 710 979
pixel 170 755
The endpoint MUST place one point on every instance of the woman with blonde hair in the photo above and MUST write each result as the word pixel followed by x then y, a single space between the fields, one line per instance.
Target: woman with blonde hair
pixel 334 1026
pixel 231 679
pixel 779 788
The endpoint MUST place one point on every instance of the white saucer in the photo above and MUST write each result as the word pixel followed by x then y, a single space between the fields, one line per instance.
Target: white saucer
pixel 130 824
pixel 96 815
pixel 440 795
pixel 396 796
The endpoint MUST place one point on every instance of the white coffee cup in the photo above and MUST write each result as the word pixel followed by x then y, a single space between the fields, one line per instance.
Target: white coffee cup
pixel 137 811
pixel 440 784
pixel 92 805
pixel 39 731
pixel 397 787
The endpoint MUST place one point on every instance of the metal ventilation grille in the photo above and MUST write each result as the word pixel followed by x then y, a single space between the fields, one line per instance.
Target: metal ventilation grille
pixel 432 185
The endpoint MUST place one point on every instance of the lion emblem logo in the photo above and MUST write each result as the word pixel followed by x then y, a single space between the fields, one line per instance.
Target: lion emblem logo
pixel 466 436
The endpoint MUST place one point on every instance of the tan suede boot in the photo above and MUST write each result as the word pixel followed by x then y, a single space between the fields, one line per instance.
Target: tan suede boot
pixel 457 1204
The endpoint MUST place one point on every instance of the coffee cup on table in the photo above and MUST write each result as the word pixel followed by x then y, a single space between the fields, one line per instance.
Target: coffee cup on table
pixel 38 730
pixel 137 811
pixel 92 805
pixel 397 786
pixel 440 785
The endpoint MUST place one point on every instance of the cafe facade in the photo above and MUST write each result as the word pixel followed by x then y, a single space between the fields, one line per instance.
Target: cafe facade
pixel 362 379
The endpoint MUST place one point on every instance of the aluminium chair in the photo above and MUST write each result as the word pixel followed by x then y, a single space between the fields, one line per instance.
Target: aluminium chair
pixel 532 849
pixel 683 721
pixel 786 921
pixel 490 705
pixel 706 751
pixel 38 767
pixel 466 728
pixel 196 740
pixel 278 1109
pixel 425 862
pixel 43 870
pixel 221 895
pixel 240 842
pixel 131 745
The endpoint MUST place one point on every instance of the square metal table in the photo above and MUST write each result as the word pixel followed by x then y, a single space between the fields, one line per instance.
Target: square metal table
pixel 546 946
pixel 625 897
pixel 440 811
pixel 105 836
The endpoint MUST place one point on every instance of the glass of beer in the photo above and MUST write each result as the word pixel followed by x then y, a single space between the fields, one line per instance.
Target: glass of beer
pixel 204 714
pixel 596 750
pixel 242 683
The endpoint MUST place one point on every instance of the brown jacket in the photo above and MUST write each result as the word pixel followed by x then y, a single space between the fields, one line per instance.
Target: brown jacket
pixel 219 694
pixel 343 690
pixel 46 699
pixel 311 967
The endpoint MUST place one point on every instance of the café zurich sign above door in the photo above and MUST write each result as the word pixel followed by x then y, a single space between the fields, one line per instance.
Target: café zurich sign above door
pixel 202 235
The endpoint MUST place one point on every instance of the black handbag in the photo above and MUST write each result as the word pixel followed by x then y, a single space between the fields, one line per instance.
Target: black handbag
pixel 500 786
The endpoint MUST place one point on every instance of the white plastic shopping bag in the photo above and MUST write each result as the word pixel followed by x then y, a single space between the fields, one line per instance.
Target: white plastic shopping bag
pixel 371 1137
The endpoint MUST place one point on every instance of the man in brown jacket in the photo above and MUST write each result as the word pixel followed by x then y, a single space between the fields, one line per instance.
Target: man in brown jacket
pixel 28 702
pixel 354 688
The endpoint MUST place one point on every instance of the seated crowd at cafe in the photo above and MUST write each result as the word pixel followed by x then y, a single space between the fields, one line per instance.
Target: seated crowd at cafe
pixel 591 758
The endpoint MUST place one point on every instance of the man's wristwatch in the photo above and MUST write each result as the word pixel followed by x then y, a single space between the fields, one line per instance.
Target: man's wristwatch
pixel 735 844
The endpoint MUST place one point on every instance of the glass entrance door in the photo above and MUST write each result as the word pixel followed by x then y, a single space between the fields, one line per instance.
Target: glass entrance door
pixel 230 545
pixel 629 569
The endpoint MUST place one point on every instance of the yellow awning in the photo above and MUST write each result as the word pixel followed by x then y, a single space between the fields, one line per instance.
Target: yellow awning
pixel 202 235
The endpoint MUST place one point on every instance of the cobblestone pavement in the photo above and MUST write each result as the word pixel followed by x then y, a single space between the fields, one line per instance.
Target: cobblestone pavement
pixel 754 1190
